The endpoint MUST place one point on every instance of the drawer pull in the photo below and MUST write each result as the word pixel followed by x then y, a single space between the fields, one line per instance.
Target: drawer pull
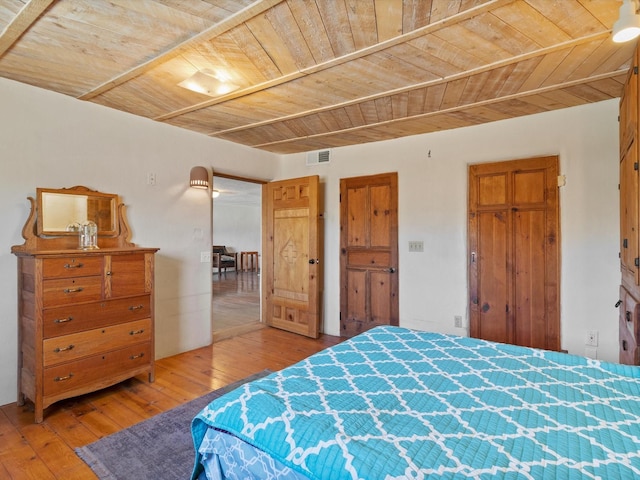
pixel 63 349
pixel 133 308
pixel 62 379
pixel 133 357
pixel 63 320
pixel 75 265
pixel 136 332
pixel 73 290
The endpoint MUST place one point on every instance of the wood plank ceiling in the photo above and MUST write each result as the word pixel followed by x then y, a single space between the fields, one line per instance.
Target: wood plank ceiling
pixel 316 74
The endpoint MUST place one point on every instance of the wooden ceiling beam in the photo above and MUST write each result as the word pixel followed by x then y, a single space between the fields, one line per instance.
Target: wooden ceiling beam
pixel 29 13
pixel 467 106
pixel 467 73
pixel 427 29
pixel 219 28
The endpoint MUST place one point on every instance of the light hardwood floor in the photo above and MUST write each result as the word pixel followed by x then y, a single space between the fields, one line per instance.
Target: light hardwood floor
pixel 235 303
pixel 46 451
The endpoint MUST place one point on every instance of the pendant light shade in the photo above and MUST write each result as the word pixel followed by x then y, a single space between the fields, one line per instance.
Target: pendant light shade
pixel 628 25
pixel 199 177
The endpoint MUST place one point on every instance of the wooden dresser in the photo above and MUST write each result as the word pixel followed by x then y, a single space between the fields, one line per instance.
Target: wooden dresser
pixel 629 318
pixel 85 318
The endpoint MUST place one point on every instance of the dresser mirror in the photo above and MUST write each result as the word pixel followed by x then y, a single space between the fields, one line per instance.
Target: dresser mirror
pixel 57 217
pixel 63 211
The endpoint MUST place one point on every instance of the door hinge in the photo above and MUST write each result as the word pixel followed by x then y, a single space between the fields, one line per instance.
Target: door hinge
pixel 635 69
pixel 625 243
pixel 636 262
pixel 562 180
pixel 340 316
pixel 635 166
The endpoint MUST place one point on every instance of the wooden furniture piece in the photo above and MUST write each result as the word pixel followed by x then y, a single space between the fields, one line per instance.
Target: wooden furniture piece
pixel 222 259
pixel 249 261
pixel 629 331
pixel 85 317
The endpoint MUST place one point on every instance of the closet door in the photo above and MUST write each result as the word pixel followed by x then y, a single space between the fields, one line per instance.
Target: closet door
pixel 629 194
pixel 629 240
pixel 514 245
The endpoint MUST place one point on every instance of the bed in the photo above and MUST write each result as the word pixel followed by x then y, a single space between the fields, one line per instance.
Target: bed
pixel 397 403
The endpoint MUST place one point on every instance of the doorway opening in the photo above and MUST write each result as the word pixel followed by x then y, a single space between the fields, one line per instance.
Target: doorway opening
pixel 237 226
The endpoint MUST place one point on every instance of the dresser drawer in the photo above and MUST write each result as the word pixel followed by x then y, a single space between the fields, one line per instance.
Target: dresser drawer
pixel 65 267
pixel 77 345
pixel 76 318
pixel 97 371
pixel 65 291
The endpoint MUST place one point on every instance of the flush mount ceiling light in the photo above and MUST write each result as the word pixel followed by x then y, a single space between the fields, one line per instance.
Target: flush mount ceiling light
pixel 208 83
pixel 628 25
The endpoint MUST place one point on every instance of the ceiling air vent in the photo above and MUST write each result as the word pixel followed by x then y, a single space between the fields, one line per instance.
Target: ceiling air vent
pixel 320 156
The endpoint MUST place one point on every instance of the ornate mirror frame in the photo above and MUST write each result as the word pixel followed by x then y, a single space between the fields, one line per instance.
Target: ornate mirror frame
pixel 63 210
pixel 115 231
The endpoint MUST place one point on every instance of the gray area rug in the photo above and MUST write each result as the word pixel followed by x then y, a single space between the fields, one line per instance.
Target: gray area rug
pixel 157 448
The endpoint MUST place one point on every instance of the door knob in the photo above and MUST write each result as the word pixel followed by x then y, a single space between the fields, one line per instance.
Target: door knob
pixel 392 270
pixel 312 261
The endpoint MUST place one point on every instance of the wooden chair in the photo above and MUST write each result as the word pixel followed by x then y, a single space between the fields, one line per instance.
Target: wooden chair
pixel 221 258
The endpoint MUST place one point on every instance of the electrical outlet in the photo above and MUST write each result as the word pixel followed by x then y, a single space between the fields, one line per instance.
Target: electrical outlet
pixel 151 178
pixel 591 352
pixel 416 246
pixel 592 338
pixel 457 321
pixel 205 257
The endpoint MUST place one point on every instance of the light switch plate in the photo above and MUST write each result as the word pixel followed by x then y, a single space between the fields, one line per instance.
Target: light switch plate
pixel 416 246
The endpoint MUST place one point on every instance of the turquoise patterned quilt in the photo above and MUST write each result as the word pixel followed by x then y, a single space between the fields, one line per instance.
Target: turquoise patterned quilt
pixel 395 403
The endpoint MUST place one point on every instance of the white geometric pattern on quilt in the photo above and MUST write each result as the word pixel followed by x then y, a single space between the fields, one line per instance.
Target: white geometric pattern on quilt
pixel 396 403
pixel 227 457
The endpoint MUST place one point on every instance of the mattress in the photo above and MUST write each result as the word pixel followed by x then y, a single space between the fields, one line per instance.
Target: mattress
pixel 397 403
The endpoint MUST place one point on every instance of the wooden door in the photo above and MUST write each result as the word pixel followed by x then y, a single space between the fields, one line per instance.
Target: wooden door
pixel 629 217
pixel 292 267
pixel 629 182
pixel 514 248
pixel 368 252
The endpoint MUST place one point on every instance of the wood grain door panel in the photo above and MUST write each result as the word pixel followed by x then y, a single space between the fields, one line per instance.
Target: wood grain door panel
pixel 126 275
pixel 292 267
pixel 491 304
pixel 530 276
pixel 369 253
pixel 629 216
pixel 514 234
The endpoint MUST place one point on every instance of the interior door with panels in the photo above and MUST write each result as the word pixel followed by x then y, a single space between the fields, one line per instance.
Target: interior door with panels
pixel 629 182
pixel 292 264
pixel 514 238
pixel 368 252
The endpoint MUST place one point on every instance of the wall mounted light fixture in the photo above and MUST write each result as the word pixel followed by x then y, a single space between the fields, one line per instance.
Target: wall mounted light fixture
pixel 215 193
pixel 199 177
pixel 628 25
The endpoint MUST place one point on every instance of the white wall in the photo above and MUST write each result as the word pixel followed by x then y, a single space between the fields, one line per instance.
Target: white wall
pixel 433 208
pixel 51 140
pixel 238 227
